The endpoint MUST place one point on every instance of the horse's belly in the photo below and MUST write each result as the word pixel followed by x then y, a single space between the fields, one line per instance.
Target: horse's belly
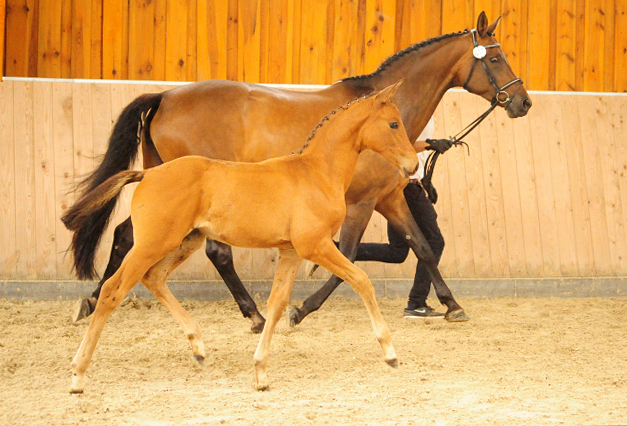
pixel 247 234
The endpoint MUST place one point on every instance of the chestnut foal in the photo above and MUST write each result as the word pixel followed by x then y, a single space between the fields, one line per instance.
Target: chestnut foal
pixel 295 203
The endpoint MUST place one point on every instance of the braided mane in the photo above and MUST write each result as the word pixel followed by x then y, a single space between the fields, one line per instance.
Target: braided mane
pixel 389 61
pixel 328 116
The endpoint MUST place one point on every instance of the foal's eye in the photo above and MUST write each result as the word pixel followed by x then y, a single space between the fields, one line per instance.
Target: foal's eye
pixel 495 59
pixel 394 125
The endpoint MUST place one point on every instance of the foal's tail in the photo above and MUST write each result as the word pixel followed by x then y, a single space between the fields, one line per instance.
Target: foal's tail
pixel 121 154
pixel 80 217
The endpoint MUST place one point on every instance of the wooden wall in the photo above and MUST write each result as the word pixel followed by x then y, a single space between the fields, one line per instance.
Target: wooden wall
pixel 553 45
pixel 540 196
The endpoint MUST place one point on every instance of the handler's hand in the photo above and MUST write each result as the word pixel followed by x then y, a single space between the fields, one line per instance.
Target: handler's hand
pixel 438 145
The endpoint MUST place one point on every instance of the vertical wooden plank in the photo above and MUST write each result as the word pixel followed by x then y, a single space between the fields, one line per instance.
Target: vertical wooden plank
pixel 471 107
pixel 66 38
pixel 63 171
pixel 514 38
pixel 232 41
pixel 580 37
pixel 609 31
pixel 8 249
pixel 45 261
pixel 594 46
pixel 278 44
pixel 212 36
pixel 494 183
pixel 81 38
pixel 114 18
pixel 528 197
pixel 191 73
pixel 141 37
pixel 3 14
pixel 343 43
pixel 541 48
pixel 457 15
pixel 548 182
pixel 511 195
pixel 620 47
pixel 248 39
pixel 609 140
pixel 50 46
pixel 379 33
pixel 591 112
pixel 618 120
pixel 426 20
pixel 96 47
pixel 313 47
pixel 82 130
pixel 176 42
pixel 24 180
pixel 566 45
pixel 578 190
pixel 160 37
pixel 20 25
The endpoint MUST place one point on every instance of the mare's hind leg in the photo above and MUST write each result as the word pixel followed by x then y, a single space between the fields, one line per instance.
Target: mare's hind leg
pixel 112 294
pixel 122 244
pixel 155 281
pixel 355 223
pixel 221 256
pixel 286 270
pixel 328 256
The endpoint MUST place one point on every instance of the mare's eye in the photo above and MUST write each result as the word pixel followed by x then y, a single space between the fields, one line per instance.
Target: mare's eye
pixel 394 125
pixel 495 59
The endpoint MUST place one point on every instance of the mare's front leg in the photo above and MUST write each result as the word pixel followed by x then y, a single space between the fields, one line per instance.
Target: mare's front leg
pixel 221 256
pixel 329 256
pixel 122 244
pixel 394 208
pixel 286 270
pixel 353 227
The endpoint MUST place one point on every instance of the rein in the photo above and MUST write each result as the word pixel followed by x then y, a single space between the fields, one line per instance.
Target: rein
pixel 501 97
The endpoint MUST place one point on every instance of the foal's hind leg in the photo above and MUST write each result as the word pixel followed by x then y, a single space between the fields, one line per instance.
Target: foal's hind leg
pixel 286 270
pixel 112 294
pixel 328 256
pixel 122 244
pixel 222 257
pixel 155 281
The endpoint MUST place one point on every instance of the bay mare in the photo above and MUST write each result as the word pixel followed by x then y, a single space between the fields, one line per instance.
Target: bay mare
pixel 247 122
pixel 295 203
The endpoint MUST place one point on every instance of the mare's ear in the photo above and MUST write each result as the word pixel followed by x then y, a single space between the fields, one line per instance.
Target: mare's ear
pixel 384 95
pixel 492 26
pixel 482 24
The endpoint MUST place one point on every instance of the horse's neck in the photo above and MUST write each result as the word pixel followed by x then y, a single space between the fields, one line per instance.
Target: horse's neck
pixel 428 73
pixel 334 149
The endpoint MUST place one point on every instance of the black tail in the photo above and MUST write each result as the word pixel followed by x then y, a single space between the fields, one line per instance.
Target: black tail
pixel 121 154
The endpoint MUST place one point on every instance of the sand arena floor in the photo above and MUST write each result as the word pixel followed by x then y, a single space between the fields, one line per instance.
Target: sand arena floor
pixel 517 362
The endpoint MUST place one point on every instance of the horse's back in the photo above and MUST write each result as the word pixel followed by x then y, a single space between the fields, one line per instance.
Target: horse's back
pixel 235 121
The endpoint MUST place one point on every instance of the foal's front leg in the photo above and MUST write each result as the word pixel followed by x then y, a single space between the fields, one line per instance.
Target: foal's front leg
pixel 286 270
pixel 329 256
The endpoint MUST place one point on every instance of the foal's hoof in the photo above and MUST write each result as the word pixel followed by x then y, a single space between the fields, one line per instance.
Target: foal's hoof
pixel 200 360
pixel 457 316
pixel 393 362
pixel 262 387
pixel 82 309
pixel 293 316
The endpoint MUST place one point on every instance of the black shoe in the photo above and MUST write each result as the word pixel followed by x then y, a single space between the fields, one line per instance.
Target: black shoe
pixel 424 312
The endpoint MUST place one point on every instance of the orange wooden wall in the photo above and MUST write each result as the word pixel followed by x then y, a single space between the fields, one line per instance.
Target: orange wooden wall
pixel 553 45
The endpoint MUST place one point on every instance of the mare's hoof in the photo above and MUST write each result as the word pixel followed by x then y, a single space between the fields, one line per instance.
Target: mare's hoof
pixel 257 327
pixel 82 309
pixel 392 362
pixel 293 316
pixel 200 360
pixel 457 316
pixel 74 391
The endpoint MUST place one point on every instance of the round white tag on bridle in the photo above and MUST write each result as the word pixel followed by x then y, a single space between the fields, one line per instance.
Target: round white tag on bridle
pixel 479 52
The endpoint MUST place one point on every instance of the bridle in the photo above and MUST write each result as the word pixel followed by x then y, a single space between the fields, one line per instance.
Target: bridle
pixel 501 97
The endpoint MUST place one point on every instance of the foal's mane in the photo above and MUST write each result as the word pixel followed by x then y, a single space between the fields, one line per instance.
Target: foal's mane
pixel 328 116
pixel 389 61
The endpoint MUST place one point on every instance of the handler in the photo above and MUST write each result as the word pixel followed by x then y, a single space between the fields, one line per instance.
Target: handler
pixel 424 214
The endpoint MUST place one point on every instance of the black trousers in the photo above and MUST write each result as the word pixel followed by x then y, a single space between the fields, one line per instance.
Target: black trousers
pixel 397 249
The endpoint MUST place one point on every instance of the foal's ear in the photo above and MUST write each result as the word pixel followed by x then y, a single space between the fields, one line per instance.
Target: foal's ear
pixel 386 94
pixel 482 24
pixel 492 26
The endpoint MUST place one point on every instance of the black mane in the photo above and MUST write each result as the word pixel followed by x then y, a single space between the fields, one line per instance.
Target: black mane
pixel 389 61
